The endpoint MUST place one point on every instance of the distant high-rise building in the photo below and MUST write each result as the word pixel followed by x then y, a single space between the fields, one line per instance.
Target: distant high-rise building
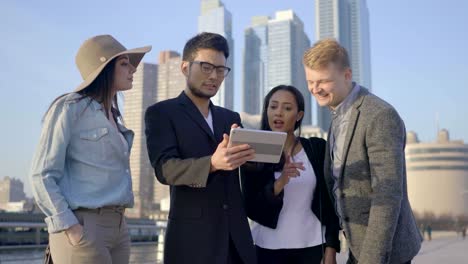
pixel 347 21
pixel 171 80
pixel 255 77
pixel 287 43
pixel 11 190
pixel 333 21
pixel 136 101
pixel 360 43
pixel 273 56
pixel 216 18
pixel 437 174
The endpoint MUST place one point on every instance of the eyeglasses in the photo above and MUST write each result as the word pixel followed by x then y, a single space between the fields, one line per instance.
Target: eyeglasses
pixel 208 68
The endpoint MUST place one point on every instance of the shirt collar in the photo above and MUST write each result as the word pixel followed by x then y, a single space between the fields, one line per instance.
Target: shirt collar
pixel 344 106
pixel 95 105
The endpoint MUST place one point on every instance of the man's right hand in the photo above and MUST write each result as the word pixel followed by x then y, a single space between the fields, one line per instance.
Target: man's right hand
pixel 230 158
pixel 74 234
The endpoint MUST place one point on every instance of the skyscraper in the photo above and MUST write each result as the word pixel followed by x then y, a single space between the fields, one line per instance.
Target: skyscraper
pixel 136 101
pixel 360 42
pixel 347 21
pixel 255 77
pixel 171 81
pixel 216 18
pixel 333 21
pixel 273 56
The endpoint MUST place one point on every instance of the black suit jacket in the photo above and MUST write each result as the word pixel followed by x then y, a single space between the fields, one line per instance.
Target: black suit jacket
pixel 206 208
pixel 264 207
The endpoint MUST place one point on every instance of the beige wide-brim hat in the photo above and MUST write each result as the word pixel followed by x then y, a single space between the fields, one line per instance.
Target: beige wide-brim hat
pixel 96 52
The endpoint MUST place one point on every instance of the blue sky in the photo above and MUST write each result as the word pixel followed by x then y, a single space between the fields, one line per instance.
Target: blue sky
pixel 418 54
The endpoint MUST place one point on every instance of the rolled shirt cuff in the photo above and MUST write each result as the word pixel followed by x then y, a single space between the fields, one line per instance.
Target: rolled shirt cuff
pixel 61 221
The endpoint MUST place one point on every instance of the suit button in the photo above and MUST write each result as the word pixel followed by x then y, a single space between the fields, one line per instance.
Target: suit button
pixel 225 206
pixel 343 195
pixel 346 219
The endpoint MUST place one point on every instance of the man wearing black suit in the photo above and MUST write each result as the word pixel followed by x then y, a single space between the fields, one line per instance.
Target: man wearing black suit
pixel 188 147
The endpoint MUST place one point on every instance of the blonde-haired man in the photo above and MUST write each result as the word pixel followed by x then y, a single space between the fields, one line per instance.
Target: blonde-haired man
pixel 364 162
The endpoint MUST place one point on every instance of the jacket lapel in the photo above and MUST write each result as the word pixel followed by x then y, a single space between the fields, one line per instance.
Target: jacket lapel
pixel 310 152
pixel 353 119
pixel 219 123
pixel 313 157
pixel 329 179
pixel 192 111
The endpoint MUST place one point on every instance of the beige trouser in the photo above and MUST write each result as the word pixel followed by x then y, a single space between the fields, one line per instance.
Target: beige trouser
pixel 105 239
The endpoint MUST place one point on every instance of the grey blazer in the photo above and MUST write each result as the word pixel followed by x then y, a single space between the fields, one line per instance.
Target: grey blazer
pixel 377 218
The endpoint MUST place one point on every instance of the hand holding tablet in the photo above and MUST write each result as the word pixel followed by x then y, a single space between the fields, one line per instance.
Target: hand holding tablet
pixel 230 158
pixel 268 145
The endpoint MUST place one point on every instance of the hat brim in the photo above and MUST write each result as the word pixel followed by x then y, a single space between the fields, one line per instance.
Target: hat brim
pixel 135 55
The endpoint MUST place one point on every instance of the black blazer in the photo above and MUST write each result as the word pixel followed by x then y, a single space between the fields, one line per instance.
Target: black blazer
pixel 264 207
pixel 206 208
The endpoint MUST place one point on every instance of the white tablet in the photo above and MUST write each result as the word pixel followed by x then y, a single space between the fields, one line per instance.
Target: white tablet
pixel 268 145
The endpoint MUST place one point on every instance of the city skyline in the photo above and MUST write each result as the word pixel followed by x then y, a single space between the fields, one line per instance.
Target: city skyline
pixel 416 61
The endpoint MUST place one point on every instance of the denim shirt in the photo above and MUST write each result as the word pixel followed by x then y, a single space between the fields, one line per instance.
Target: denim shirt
pixel 81 162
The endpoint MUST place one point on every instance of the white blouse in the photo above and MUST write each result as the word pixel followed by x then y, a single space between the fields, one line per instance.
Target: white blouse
pixel 297 227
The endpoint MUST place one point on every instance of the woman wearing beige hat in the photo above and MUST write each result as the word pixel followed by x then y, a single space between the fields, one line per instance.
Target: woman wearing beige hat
pixel 80 173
